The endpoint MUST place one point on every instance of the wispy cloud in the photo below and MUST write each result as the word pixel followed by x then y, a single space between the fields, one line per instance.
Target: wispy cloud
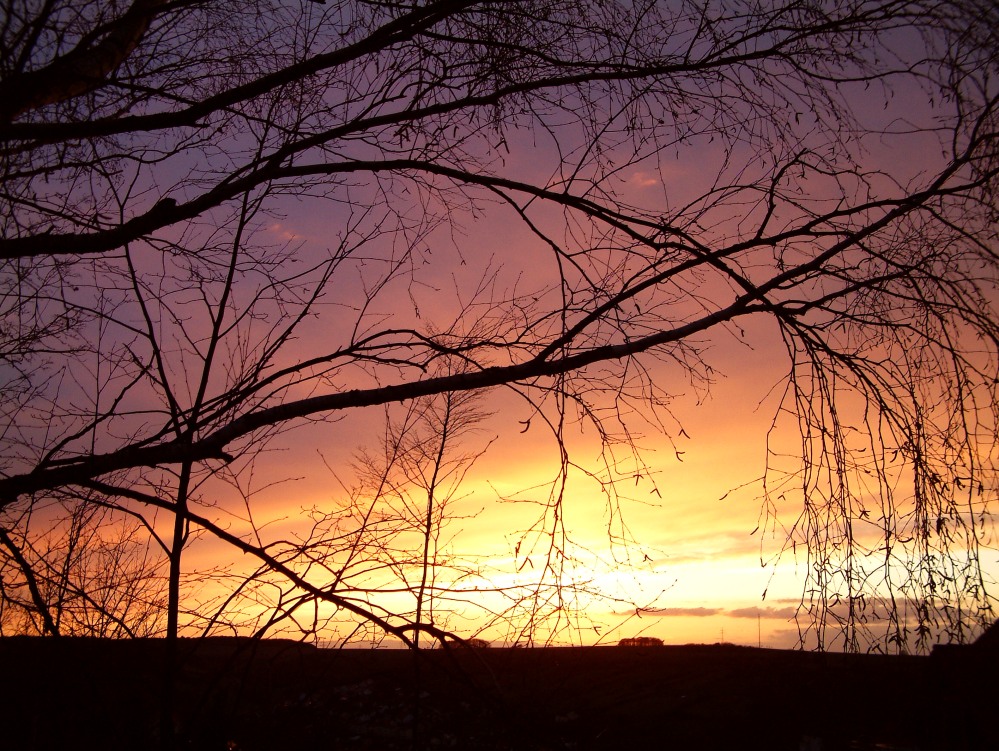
pixel 283 232
pixel 702 612
pixel 781 613
pixel 697 612
pixel 644 179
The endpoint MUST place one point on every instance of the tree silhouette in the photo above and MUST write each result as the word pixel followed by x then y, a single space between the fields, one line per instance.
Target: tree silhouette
pixel 165 324
pixel 86 575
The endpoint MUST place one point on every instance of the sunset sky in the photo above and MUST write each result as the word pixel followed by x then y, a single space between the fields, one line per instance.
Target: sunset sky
pixel 712 553
pixel 731 265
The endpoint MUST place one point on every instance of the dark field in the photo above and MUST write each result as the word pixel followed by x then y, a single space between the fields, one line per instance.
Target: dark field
pixel 76 694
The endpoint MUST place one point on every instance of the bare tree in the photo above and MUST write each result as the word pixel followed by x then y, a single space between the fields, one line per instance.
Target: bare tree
pixel 386 537
pixel 412 486
pixel 165 325
pixel 85 574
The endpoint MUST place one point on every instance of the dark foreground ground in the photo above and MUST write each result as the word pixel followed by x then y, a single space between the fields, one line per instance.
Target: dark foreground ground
pixel 78 694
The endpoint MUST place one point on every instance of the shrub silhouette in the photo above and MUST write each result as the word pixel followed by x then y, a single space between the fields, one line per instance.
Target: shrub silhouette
pixel 641 641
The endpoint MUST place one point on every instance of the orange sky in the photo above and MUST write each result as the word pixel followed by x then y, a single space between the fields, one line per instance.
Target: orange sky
pixel 704 563
pixel 703 579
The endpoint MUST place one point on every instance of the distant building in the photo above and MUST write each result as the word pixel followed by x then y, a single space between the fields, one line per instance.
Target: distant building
pixel 641 641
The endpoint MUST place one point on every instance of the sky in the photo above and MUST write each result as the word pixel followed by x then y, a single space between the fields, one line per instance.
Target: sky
pixel 678 548
pixel 694 517
pixel 699 524
pixel 701 563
